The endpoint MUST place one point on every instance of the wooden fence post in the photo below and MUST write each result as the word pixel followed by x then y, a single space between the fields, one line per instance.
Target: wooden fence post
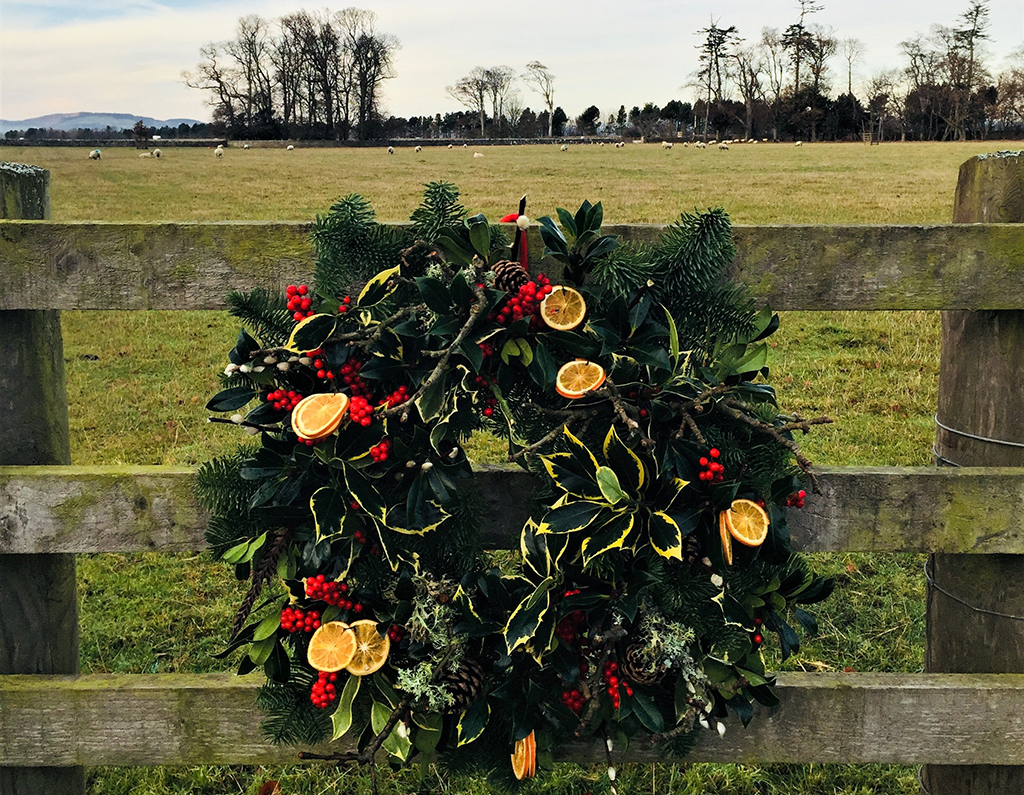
pixel 975 610
pixel 38 600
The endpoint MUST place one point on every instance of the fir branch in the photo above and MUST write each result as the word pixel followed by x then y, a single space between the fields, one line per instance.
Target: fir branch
pixel 260 574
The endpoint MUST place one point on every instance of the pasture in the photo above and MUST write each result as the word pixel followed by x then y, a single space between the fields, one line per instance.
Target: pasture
pixel 137 383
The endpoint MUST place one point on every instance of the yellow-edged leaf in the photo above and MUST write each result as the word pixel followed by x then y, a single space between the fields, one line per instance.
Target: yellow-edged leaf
pixel 625 462
pixel 377 289
pixel 311 333
pixel 666 535
pixel 611 535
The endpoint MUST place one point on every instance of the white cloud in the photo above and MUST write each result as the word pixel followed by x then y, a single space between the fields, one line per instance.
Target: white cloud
pixel 605 53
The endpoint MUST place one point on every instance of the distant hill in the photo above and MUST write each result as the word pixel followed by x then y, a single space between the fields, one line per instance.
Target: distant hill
pixel 89 121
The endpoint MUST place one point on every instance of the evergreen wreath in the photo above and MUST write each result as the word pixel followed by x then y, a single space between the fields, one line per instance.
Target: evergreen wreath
pixel 657 558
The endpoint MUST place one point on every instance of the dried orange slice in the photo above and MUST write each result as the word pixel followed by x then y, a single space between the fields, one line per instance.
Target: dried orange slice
pixel 577 378
pixel 332 647
pixel 747 522
pixel 371 648
pixel 524 757
pixel 723 532
pixel 318 416
pixel 563 309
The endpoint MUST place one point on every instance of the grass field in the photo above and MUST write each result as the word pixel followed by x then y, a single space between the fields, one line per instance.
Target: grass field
pixel 140 401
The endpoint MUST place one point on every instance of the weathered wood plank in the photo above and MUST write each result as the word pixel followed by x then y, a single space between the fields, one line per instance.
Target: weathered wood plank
pixel 47 265
pixel 880 509
pixel 175 719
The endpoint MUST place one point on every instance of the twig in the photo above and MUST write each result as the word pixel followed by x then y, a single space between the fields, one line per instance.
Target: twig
pixel 260 574
pixel 441 367
pixel 689 422
pixel 245 424
pixel 548 437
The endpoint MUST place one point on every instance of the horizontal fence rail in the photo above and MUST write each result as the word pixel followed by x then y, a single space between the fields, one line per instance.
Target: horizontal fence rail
pixel 857 509
pixel 177 719
pixel 92 265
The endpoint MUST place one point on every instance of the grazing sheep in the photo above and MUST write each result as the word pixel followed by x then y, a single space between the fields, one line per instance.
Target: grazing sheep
pixel 418 148
pixel 799 143
pixel 157 153
pixel 451 146
pixel 246 146
pixel 391 150
pixel 94 154
pixel 666 144
pixel 724 146
pixel 565 147
pixel 477 154
pixel 601 143
pixel 465 146
pixel 764 140
pixel 701 145
pixel 219 151
pixel 712 142
pixel 145 154
pixel 290 147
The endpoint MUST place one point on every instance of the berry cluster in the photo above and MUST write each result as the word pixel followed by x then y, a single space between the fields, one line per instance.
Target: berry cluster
pixel 379 452
pixel 487 349
pixel 490 401
pixel 324 693
pixel 525 303
pixel 396 634
pixel 569 627
pixel 321 370
pixel 350 377
pixel 612 682
pixel 758 637
pixel 360 410
pixel 299 302
pixel 796 499
pixel 295 620
pixel 284 401
pixel 711 469
pixel 396 398
pixel 344 305
pixel 573 699
pixel 331 592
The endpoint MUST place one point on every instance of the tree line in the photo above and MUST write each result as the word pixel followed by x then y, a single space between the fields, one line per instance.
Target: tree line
pixel 320 75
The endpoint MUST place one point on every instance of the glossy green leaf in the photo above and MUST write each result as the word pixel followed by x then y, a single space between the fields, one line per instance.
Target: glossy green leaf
pixel 311 333
pixel 378 288
pixel 567 474
pixel 231 399
pixel 395 744
pixel 480 235
pixel 268 626
pixel 473 721
pixel 625 462
pixel 341 720
pixel 611 535
pixel 525 619
pixel 609 484
pixel 666 536
pixel 570 517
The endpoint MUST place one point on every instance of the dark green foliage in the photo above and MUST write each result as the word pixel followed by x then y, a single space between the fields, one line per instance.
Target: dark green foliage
pixel 351 246
pixel 264 313
pixel 690 263
pixel 623 271
pixel 289 716
pixel 440 209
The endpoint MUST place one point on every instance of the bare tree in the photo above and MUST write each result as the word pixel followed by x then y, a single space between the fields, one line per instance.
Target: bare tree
pixel 749 69
pixel 797 39
pixel 499 85
pixel 823 44
pixel 1010 91
pixel 853 52
pixel 471 91
pixel 774 57
pixel 214 75
pixel 540 79
pixel 714 58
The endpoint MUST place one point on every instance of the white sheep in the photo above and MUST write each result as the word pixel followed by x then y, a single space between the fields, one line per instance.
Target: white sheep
pixel 701 145
pixel 764 140
pixel 465 146
pixel 418 148
pixel 289 148
pixel 157 153
pixel 451 146
pixel 666 144
pixel 391 150
pixel 799 143
pixel 724 146
pixel 219 151
pixel 94 154
pixel 601 143
pixel 565 147
pixel 245 146
pixel 145 154
pixel 478 154
pixel 712 142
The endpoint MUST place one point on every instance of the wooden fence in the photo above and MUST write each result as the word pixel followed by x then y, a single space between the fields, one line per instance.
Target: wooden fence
pixel 966 723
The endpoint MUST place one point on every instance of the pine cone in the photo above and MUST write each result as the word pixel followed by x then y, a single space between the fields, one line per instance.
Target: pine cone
pixel 464 684
pixel 633 667
pixel 509 276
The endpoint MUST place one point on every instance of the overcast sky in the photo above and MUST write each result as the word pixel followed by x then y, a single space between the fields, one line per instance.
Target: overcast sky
pixel 126 56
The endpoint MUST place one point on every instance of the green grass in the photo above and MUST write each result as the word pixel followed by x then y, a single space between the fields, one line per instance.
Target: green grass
pixel 141 401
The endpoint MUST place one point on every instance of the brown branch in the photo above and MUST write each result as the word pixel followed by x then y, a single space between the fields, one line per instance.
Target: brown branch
pixel 260 574
pixel 689 422
pixel 478 311
pixel 548 437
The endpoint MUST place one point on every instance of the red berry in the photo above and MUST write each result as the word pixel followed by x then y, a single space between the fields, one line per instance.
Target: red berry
pixel 758 639
pixel 303 289
pixel 714 453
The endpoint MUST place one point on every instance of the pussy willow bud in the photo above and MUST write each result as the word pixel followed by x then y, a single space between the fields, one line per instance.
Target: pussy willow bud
pixel 244 368
pixel 426 466
pixel 230 368
pixel 237 419
pixel 704 723
pixel 270 360
pixel 716 580
pixel 410 464
pixel 251 430
pixel 259 369
pixel 721 729
pixel 611 774
pixel 293 359
pixel 284 367
pixel 305 361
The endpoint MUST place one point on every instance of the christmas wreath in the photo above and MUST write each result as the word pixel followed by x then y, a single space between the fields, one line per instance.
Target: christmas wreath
pixel 631 383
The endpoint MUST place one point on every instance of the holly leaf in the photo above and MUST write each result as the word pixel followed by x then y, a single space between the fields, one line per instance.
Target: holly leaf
pixel 473 721
pixel 666 535
pixel 378 288
pixel 342 717
pixel 311 333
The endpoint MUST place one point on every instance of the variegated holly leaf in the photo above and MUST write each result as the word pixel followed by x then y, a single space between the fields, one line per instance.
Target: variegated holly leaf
pixel 611 535
pixel 625 462
pixel 666 535
pixel 525 619
pixel 572 517
pixel 311 333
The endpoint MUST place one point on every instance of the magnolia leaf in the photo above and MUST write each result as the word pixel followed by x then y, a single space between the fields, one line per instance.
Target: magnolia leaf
pixel 647 713
pixel 435 294
pixel 260 651
pixel 565 471
pixel 625 462
pixel 525 352
pixel 328 506
pixel 395 744
pixel 480 235
pixel 666 536
pixel 525 619
pixel 342 717
pixel 608 482
pixel 268 626
pixel 231 399
pixel 570 517
pixel 612 535
pixel 378 288
pixel 311 333
pixel 473 721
